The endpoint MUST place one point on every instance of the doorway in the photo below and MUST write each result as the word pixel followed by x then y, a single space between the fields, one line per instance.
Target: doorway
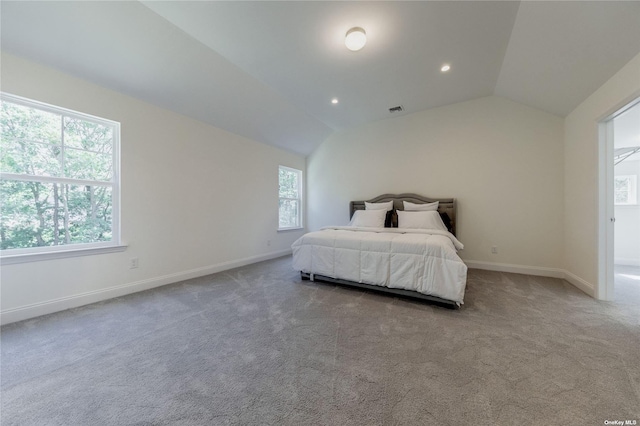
pixel 622 179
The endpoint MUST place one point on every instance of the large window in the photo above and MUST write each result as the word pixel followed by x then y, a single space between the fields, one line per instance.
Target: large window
pixel 59 180
pixel 625 190
pixel 290 211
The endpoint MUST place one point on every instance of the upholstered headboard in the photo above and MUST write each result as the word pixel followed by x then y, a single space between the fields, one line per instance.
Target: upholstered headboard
pixel 446 205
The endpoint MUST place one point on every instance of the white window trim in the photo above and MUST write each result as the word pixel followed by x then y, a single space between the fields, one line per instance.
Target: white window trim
pixel 633 189
pixel 33 254
pixel 103 248
pixel 300 199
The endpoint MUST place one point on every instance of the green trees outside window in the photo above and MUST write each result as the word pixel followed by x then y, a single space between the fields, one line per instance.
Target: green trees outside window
pixel 625 190
pixel 58 183
pixel 290 194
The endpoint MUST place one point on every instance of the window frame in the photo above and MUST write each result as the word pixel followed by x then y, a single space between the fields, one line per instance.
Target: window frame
pixel 29 254
pixel 632 198
pixel 300 198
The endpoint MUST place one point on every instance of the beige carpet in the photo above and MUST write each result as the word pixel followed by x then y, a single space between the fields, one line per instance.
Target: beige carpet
pixel 257 346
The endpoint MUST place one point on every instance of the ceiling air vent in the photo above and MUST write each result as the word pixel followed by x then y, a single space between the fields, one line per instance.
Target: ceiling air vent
pixel 396 109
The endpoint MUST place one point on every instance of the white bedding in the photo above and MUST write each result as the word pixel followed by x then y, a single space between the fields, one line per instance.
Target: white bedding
pixel 425 261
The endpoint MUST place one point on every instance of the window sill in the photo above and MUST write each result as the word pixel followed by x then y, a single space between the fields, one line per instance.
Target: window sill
pixel 290 229
pixel 37 257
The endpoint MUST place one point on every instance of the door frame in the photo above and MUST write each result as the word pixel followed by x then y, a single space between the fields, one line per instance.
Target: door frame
pixel 606 209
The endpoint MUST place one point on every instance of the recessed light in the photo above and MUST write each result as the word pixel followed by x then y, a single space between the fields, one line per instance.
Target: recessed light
pixel 334 101
pixel 445 68
pixel 355 39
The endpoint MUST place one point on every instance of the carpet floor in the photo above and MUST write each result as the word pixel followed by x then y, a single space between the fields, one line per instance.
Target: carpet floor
pixel 258 346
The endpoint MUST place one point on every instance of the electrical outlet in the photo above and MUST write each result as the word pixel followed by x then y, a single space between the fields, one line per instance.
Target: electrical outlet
pixel 133 263
pixel 269 243
pixel 494 249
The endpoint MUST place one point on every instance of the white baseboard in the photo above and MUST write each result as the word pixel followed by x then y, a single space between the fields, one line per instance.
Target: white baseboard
pixel 516 269
pixel 50 306
pixel 583 285
pixel 573 279
pixel 43 308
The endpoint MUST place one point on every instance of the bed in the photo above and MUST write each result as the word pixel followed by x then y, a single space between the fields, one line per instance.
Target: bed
pixel 418 260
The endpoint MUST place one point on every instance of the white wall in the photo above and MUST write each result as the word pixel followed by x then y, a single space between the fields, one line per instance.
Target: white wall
pixel 501 160
pixel 627 226
pixel 195 199
pixel 581 175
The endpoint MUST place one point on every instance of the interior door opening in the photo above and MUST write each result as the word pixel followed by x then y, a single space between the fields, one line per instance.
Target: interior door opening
pixel 623 179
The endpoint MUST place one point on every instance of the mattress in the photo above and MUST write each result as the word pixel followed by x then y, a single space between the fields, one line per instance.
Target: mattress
pixel 425 261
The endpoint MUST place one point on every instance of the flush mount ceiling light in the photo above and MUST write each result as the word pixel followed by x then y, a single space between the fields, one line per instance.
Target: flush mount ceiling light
pixel 355 39
pixel 334 101
pixel 445 68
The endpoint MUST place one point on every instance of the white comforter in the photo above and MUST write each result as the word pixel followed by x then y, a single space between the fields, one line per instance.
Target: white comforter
pixel 412 259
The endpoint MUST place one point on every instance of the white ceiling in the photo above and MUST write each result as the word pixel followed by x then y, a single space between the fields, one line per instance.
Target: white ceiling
pixel 268 70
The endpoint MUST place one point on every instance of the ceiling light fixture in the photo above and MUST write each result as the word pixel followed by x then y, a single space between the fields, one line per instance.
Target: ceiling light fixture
pixel 355 39
pixel 445 68
pixel 334 101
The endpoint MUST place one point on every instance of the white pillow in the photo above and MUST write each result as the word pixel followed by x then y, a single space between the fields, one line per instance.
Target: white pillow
pixel 388 206
pixel 368 218
pixel 420 220
pixel 420 207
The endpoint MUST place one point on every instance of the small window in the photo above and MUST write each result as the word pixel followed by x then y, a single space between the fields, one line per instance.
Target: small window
pixel 59 180
pixel 290 194
pixel 626 190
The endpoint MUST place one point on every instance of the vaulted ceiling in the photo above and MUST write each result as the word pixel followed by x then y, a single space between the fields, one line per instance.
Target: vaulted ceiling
pixel 268 70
